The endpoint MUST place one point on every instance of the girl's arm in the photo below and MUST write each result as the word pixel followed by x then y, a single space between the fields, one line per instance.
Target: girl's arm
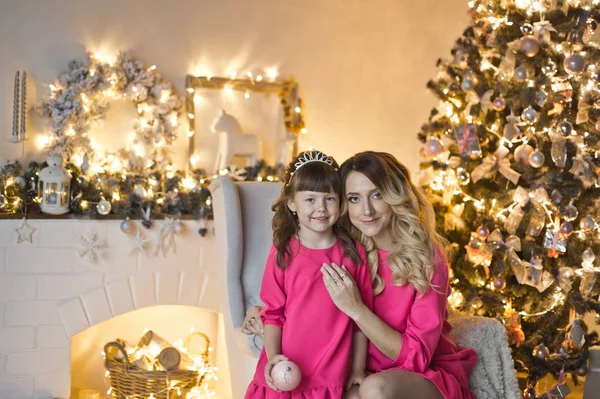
pixel 272 338
pixel 272 293
pixel 359 351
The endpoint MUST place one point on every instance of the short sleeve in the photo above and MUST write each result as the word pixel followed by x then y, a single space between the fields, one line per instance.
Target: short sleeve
pixel 272 292
pixel 425 322
pixel 362 277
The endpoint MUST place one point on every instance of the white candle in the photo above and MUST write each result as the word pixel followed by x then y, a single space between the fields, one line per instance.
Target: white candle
pixel 23 106
pixel 89 394
pixel 15 132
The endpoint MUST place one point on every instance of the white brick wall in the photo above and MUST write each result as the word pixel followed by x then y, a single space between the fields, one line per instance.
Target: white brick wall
pixel 16 387
pixel 17 286
pixel 17 338
pixel 38 362
pixel 48 294
pixel 51 337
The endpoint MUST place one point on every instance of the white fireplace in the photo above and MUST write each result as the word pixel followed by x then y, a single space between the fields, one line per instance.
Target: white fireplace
pixel 53 302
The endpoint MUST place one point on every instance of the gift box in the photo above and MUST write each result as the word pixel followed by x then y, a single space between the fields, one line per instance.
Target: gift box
pixel 592 380
pixel 468 141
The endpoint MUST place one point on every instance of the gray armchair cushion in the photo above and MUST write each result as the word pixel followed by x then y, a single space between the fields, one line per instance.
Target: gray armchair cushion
pixel 255 199
pixel 493 376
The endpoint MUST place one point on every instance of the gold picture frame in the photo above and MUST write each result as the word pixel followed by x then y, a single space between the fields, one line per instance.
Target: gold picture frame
pixel 286 89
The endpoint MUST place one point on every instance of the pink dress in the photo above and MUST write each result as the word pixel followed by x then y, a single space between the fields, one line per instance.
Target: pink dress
pixel 316 335
pixel 427 348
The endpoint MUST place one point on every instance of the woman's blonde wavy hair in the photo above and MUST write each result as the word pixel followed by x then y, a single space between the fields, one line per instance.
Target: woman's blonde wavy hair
pixel 415 239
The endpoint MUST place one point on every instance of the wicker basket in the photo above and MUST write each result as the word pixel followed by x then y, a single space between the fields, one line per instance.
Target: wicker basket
pixel 130 381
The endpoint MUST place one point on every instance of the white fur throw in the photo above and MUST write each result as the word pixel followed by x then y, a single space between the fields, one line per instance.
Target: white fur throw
pixel 493 376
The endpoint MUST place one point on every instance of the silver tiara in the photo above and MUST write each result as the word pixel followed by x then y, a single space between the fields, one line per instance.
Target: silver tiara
pixel 311 156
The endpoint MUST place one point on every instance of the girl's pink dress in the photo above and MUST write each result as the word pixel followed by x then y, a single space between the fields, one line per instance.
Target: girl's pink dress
pixel 427 348
pixel 316 335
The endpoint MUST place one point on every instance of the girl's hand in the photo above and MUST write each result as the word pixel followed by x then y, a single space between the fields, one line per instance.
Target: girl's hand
pixel 356 378
pixel 252 323
pixel 269 367
pixel 342 289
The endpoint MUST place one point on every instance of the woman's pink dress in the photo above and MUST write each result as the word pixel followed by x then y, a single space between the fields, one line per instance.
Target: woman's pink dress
pixel 427 348
pixel 316 335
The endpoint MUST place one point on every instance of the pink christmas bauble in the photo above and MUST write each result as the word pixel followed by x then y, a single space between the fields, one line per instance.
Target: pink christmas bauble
pixel 286 375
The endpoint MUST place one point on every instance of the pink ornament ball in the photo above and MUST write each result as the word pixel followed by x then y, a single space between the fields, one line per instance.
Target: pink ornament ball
pixel 286 375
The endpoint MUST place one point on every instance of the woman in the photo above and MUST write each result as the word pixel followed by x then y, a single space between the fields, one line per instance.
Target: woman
pixel 411 354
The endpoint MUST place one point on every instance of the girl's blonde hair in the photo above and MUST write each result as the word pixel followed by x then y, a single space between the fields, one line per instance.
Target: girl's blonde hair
pixel 314 176
pixel 415 240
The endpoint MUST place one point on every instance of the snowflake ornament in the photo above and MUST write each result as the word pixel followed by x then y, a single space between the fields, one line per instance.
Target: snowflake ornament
pixel 90 247
pixel 139 243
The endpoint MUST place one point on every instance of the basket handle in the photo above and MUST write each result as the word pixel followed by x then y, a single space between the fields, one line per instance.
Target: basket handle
pixel 204 336
pixel 120 348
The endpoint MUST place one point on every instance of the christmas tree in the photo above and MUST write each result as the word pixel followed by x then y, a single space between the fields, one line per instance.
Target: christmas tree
pixel 510 161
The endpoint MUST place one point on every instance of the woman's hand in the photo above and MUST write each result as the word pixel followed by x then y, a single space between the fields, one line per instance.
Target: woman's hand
pixel 342 289
pixel 269 367
pixel 356 378
pixel 252 323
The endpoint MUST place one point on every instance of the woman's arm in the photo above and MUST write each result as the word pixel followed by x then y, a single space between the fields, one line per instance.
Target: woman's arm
pixel 345 294
pixel 384 337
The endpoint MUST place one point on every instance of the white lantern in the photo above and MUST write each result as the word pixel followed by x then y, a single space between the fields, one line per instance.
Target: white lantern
pixel 53 187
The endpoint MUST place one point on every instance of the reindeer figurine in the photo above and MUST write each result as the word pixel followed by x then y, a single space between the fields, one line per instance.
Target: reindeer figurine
pixel 233 142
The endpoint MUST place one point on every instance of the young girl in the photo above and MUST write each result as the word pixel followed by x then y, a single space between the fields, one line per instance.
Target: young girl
pixel 301 322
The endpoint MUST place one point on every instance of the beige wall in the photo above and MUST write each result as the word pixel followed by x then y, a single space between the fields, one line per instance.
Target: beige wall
pixel 362 65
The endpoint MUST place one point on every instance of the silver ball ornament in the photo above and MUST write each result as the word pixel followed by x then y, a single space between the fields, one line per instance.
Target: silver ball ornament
pixel 463 177
pixel 520 73
pixel 529 45
pixel 530 393
pixel 541 352
pixel 574 63
pixel 499 283
pixel 591 25
pixel 499 103
pixel 527 28
pixel 536 159
pixel 2 201
pixel 483 232
pixel 566 228
pixel 433 147
pixel 467 83
pixel 522 153
pixel 529 115
pixel 570 213
pixel 126 226
pixel 549 69
pixel 565 128
pixel 588 255
pixel 103 207
pixel 587 223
